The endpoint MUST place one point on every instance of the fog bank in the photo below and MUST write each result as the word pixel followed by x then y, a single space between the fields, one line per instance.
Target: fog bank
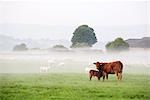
pixel 76 61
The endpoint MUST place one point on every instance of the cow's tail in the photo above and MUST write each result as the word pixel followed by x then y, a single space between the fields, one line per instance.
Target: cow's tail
pixel 121 69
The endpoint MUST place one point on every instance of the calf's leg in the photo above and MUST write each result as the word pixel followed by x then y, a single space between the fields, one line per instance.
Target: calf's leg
pixel 90 77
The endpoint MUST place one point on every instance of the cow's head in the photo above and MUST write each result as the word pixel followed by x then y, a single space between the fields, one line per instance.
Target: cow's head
pixel 98 65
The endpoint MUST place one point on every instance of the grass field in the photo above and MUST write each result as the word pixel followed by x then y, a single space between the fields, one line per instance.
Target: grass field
pixel 67 86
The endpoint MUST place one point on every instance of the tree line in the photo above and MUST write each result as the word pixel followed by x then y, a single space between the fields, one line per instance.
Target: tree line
pixel 85 37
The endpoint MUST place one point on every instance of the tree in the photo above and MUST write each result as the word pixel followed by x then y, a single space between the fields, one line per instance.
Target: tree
pixel 117 45
pixel 20 47
pixel 59 48
pixel 83 35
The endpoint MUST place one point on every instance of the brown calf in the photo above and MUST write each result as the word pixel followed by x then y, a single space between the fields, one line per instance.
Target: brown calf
pixel 94 73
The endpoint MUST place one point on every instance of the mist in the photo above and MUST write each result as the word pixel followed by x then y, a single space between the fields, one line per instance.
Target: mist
pixel 73 61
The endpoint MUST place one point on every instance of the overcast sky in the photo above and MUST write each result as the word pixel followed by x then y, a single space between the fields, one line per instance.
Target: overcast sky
pixel 75 12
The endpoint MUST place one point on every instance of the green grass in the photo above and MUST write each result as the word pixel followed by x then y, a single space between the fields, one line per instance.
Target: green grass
pixel 73 87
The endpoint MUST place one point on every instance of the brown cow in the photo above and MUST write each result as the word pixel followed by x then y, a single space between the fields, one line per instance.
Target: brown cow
pixel 96 73
pixel 110 68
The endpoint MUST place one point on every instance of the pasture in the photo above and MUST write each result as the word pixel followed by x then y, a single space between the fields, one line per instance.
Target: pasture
pixel 73 86
pixel 65 79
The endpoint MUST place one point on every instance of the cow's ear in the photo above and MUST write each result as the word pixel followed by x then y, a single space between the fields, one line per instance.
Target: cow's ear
pixel 94 63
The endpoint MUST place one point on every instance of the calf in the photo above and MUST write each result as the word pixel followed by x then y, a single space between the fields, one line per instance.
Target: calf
pixel 94 73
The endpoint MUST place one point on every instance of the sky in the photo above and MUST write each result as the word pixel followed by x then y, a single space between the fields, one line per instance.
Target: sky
pixel 70 14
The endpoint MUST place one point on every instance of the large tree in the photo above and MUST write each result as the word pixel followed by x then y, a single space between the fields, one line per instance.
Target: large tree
pixel 117 45
pixel 83 36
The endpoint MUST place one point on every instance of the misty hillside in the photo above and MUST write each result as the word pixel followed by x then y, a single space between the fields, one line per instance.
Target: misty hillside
pixel 7 43
pixel 139 43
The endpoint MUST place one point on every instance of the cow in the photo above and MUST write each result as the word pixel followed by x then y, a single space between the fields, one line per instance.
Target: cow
pixel 115 67
pixel 94 73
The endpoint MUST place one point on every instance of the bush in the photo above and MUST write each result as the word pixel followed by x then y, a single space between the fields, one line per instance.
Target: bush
pixel 117 45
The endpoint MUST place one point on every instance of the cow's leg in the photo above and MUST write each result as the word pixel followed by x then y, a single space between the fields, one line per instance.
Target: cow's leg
pixel 98 78
pixel 120 76
pixel 106 76
pixel 117 76
pixel 103 77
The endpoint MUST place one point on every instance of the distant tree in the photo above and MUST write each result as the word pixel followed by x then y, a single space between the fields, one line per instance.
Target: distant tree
pixel 117 45
pixel 35 49
pixel 20 47
pixel 59 47
pixel 83 36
